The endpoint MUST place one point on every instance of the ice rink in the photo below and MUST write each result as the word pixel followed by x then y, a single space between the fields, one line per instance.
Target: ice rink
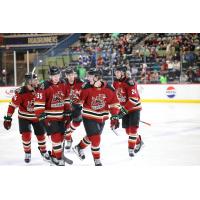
pixel 172 139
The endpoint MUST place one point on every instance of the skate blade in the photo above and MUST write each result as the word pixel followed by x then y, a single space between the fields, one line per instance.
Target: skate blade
pixel 74 150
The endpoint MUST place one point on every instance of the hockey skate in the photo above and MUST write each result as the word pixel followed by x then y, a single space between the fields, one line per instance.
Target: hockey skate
pixel 45 156
pixel 60 162
pixel 79 152
pixel 97 162
pixel 68 144
pixel 138 146
pixel 131 152
pixel 27 158
pixel 57 162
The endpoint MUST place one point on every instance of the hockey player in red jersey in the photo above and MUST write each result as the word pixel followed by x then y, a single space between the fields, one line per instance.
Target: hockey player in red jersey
pixel 50 107
pixel 98 99
pixel 129 98
pixel 24 99
pixel 75 85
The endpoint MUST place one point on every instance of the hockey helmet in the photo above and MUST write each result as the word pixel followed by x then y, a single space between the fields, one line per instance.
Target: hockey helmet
pixel 95 72
pixel 69 70
pixel 30 76
pixel 54 70
pixel 121 68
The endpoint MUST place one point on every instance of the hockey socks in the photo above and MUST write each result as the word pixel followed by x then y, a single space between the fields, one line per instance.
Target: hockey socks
pixel 41 143
pixel 56 139
pixel 26 140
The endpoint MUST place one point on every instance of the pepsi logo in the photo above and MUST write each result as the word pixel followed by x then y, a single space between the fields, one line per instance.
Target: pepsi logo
pixel 171 92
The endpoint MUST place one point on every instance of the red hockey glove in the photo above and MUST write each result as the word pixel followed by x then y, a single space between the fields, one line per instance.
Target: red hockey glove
pixel 114 122
pixel 7 122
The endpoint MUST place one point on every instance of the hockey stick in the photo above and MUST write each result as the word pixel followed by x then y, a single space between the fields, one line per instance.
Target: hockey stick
pixel 67 160
pixel 145 123
pixel 114 131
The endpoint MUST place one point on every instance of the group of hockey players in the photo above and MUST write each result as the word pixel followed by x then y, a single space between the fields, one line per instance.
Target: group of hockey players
pixel 56 107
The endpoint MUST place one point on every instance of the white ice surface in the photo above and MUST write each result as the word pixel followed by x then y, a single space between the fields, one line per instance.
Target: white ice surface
pixel 172 139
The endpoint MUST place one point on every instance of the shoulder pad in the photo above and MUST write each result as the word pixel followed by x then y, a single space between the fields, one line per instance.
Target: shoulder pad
pixel 44 85
pixel 109 86
pixel 78 80
pixel 19 90
pixel 130 82
pixel 86 85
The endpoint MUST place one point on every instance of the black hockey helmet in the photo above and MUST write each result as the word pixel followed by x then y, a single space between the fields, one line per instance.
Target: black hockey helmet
pixel 121 68
pixel 96 72
pixel 30 76
pixel 69 70
pixel 54 70
pixel 91 71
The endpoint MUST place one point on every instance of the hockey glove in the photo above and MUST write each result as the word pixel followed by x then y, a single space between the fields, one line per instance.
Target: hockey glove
pixel 76 110
pixel 43 119
pixel 122 112
pixel 67 117
pixel 114 122
pixel 7 122
pixel 68 113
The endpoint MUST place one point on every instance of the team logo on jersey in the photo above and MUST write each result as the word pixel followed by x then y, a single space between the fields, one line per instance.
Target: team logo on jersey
pixel 74 95
pixel 98 102
pixel 120 96
pixel 171 92
pixel 30 106
pixel 57 100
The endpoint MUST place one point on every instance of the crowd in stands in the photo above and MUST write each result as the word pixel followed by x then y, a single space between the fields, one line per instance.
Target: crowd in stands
pixel 151 58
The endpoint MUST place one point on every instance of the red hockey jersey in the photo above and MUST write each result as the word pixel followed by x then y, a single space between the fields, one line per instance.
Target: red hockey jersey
pixel 51 99
pixel 127 94
pixel 75 90
pixel 24 99
pixel 98 102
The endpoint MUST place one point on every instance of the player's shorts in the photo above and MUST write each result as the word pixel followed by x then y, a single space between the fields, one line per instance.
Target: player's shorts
pixel 55 127
pixel 92 127
pixel 131 119
pixel 25 126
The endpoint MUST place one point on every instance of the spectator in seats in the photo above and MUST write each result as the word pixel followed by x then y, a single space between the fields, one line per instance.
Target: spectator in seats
pixel 190 57
pixel 81 72
pixel 170 75
pixel 134 70
pixel 164 66
pixel 148 76
pixel 143 79
pixel 191 75
pixel 154 78
pixel 170 65
pixel 177 68
pixel 163 78
pixel 100 60
pixel 144 68
pixel 156 66
pixel 198 74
